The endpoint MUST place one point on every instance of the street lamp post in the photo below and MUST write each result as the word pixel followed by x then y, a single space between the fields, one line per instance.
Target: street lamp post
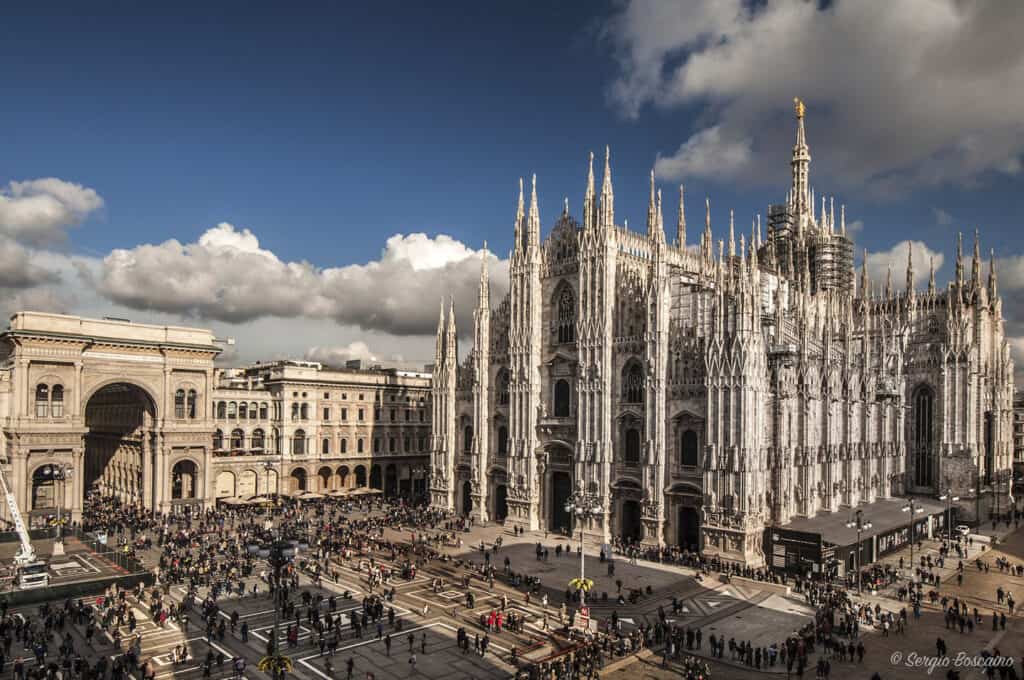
pixel 950 499
pixel 583 507
pixel 281 553
pixel 860 525
pixel 914 508
pixel 59 472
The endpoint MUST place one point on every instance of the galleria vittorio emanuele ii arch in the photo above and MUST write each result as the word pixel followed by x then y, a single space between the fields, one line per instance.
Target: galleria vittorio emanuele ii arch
pixel 141 413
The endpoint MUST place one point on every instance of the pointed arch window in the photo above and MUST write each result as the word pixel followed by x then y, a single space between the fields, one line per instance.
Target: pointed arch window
pixel 502 382
pixel 688 449
pixel 726 416
pixel 633 383
pixel 923 405
pixel 632 446
pixel 562 399
pixel 566 316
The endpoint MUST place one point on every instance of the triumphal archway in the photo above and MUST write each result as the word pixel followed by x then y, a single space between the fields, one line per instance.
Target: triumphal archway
pixel 123 405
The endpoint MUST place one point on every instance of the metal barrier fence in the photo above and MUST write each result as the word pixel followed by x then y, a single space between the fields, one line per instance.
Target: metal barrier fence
pixel 136 572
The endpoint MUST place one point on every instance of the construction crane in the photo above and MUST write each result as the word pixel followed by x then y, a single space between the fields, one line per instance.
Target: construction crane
pixel 31 571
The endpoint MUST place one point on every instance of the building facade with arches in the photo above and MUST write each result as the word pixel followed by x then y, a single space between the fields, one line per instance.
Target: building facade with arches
pixel 140 412
pixel 295 426
pixel 703 393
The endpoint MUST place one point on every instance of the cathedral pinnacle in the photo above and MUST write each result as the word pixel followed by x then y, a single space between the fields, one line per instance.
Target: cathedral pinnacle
pixel 960 259
pixel 484 294
pixel 732 237
pixel 888 282
pixel 651 216
pixel 439 351
pixel 659 227
pixel 842 220
pixel 976 260
pixel 681 223
pixel 993 283
pixel 800 162
pixel 931 275
pixel 533 235
pixel 910 269
pixel 607 212
pixel 588 197
pixel 864 275
pixel 520 217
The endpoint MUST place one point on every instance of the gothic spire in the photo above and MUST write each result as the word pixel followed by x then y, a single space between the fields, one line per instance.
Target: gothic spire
pixel 439 351
pixel 533 223
pixel 931 275
pixel 484 295
pixel 976 261
pixel 842 220
pixel 910 268
pixel 607 216
pixel 681 223
pixel 801 160
pixel 993 283
pixel 960 259
pixel 864 275
pixel 588 197
pixel 659 227
pixel 732 237
pixel 451 344
pixel 652 217
pixel 888 282
pixel 520 217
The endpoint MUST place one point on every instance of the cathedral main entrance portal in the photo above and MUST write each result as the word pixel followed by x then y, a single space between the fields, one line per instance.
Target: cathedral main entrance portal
pixel 689 528
pixel 561 491
pixel 632 526
pixel 467 498
pixel 120 418
pixel 500 503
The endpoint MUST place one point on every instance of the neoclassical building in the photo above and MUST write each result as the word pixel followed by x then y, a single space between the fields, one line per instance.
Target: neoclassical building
pixel 139 411
pixel 705 391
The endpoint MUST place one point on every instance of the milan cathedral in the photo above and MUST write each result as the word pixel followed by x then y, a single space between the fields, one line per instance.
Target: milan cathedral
pixel 700 393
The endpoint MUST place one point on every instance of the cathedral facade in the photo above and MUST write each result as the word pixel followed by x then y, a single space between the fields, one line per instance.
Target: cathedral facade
pixel 698 393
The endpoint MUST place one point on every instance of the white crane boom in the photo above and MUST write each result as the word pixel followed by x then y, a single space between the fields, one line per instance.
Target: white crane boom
pixel 27 554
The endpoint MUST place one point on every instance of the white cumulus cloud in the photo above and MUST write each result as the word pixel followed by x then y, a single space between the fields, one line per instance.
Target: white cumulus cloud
pixel 226 276
pixel 901 94
pixel 879 264
pixel 39 211
pixel 337 355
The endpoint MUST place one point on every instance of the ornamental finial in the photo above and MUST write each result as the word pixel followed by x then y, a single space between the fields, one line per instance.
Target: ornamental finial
pixel 800 107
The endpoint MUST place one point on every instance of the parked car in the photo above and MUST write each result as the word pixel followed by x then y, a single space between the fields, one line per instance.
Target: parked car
pixel 963 529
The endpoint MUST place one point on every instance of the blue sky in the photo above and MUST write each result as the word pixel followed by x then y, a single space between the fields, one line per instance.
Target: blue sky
pixel 326 129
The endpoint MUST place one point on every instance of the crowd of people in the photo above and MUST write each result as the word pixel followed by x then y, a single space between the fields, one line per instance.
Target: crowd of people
pixel 223 553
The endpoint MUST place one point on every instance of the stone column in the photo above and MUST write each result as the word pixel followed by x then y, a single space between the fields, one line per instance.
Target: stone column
pixel 77 483
pixel 147 470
